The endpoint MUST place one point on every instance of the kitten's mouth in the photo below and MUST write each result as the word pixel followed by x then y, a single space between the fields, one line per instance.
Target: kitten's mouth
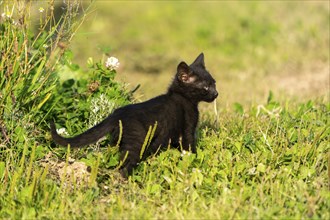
pixel 212 98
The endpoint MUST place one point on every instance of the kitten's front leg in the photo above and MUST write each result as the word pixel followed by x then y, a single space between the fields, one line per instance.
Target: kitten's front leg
pixel 189 142
pixel 188 136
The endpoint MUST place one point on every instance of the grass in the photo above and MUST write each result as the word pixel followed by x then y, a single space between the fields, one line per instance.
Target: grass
pixel 249 47
pixel 247 166
pixel 265 157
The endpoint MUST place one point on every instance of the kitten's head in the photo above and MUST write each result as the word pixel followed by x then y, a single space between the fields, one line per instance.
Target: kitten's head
pixel 195 82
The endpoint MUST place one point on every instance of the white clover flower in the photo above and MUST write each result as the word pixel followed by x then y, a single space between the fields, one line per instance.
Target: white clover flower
pixel 112 63
pixel 62 131
pixel 41 9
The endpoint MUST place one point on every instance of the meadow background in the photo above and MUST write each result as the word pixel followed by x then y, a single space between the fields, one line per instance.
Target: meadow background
pixel 263 149
pixel 250 47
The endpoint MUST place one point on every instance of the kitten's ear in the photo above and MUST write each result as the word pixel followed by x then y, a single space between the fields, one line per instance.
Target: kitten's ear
pixel 184 74
pixel 199 60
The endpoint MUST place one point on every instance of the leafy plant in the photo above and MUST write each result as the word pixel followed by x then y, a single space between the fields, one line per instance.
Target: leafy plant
pixel 89 99
pixel 28 63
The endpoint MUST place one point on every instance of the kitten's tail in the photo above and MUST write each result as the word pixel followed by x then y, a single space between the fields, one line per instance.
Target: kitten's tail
pixel 88 137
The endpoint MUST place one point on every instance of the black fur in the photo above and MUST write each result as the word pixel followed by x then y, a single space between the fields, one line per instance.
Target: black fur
pixel 176 115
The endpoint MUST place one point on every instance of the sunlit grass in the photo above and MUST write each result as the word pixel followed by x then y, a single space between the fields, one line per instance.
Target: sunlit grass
pixel 259 159
pixel 250 47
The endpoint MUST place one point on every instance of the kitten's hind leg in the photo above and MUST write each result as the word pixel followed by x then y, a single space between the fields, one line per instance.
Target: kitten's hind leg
pixel 129 160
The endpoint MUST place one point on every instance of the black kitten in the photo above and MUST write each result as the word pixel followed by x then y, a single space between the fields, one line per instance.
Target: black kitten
pixel 174 114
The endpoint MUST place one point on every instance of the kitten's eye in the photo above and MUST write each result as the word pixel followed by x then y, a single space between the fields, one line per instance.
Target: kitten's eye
pixel 206 88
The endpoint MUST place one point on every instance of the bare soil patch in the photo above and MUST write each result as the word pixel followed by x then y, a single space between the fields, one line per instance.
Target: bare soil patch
pixel 308 83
